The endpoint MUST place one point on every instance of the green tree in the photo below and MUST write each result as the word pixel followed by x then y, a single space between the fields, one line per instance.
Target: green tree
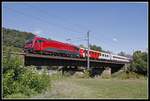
pixel 94 47
pixel 15 38
pixel 82 46
pixel 18 79
pixel 139 63
pixel 122 53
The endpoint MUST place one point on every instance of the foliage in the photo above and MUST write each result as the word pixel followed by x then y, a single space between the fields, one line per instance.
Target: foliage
pixel 139 63
pixel 105 76
pixel 15 38
pixel 127 75
pixel 82 46
pixel 21 80
pixel 97 88
pixel 124 54
pixel 78 75
pixel 10 48
pixel 107 51
pixel 94 47
pixel 56 76
pixel 87 73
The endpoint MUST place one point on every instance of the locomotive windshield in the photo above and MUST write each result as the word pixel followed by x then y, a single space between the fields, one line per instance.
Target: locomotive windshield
pixel 29 40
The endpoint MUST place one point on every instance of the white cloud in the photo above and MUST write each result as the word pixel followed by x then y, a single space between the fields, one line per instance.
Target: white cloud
pixel 115 40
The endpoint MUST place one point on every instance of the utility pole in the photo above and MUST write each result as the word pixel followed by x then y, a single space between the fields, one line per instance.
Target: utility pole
pixel 88 60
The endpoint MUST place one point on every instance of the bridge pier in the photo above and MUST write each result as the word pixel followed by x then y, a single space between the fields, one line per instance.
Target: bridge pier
pixel 69 69
pixel 101 71
pixel 107 72
pixel 97 71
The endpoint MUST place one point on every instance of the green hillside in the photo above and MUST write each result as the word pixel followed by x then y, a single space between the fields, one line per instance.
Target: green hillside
pixel 15 38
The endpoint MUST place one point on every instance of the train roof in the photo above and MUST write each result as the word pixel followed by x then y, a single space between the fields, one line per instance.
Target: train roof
pixel 90 50
pixel 120 56
pixel 56 41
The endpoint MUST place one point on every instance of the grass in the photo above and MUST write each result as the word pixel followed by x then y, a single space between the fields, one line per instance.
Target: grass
pixel 129 75
pixel 112 88
pixel 97 88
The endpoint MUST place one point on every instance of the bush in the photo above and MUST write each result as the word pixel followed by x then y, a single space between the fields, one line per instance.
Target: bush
pixel 127 75
pixel 87 73
pixel 105 76
pixel 79 75
pixel 56 76
pixel 139 63
pixel 21 80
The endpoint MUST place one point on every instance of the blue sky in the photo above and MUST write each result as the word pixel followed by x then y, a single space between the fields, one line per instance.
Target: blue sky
pixel 113 26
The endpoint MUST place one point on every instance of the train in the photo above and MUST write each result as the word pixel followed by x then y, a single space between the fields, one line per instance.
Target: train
pixel 39 45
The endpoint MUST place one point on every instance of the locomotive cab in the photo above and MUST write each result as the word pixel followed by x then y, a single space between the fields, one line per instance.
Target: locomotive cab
pixel 28 47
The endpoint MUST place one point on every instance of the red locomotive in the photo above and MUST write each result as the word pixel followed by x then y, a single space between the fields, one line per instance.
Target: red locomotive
pixel 52 47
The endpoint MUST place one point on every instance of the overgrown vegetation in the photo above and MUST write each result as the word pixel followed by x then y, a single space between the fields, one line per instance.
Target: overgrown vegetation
pixel 20 81
pixel 15 38
pixel 97 88
pixel 127 75
pixel 139 63
pixel 93 47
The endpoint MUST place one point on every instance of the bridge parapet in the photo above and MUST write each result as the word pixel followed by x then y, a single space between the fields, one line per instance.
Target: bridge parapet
pixel 44 60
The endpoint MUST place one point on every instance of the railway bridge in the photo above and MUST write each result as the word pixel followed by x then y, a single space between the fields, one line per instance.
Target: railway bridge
pixel 72 63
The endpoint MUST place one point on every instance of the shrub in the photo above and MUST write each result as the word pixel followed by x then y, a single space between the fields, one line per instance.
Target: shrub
pixel 56 76
pixel 139 63
pixel 87 73
pixel 21 80
pixel 79 75
pixel 127 75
